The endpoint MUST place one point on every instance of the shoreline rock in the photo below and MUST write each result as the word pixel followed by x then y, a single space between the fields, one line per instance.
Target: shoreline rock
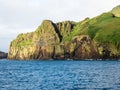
pixel 3 55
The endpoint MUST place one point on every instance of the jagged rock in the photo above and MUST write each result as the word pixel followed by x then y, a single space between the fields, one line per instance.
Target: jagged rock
pixel 65 28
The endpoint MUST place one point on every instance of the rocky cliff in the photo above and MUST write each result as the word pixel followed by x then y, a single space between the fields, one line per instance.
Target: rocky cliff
pixel 3 55
pixel 96 38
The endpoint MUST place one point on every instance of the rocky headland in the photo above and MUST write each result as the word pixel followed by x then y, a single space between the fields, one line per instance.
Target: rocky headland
pixel 95 38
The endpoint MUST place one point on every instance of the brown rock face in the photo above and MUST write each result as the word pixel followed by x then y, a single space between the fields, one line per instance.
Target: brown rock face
pixel 41 44
pixel 85 48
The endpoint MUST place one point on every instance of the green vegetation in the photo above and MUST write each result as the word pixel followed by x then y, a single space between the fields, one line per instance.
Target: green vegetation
pixel 23 40
pixel 103 29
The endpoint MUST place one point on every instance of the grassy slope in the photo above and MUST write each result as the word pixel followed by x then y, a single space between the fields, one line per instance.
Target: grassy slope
pixel 104 29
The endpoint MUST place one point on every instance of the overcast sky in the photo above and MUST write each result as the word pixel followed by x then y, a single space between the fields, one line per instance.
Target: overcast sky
pixel 20 16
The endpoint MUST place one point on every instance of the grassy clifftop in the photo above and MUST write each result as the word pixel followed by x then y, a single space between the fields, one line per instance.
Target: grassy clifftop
pixel 103 29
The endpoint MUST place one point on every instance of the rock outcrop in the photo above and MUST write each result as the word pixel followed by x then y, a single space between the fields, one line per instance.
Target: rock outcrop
pixel 3 55
pixel 116 11
pixel 96 38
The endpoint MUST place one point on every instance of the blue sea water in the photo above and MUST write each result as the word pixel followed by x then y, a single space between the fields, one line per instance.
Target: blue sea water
pixel 59 75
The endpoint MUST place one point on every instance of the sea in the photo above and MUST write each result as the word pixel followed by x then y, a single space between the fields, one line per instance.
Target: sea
pixel 59 75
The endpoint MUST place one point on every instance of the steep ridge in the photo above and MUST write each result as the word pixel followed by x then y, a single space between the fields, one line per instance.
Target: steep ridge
pixel 96 38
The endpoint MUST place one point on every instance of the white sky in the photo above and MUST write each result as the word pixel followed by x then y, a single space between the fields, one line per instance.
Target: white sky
pixel 20 16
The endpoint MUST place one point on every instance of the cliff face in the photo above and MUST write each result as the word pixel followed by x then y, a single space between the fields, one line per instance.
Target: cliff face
pixel 96 38
pixel 3 55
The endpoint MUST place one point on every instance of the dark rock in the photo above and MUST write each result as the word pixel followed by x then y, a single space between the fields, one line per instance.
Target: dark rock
pixel 3 55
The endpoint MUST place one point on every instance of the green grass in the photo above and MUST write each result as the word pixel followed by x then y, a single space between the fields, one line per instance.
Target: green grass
pixel 25 43
pixel 104 29
pixel 22 40
pixel 103 23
